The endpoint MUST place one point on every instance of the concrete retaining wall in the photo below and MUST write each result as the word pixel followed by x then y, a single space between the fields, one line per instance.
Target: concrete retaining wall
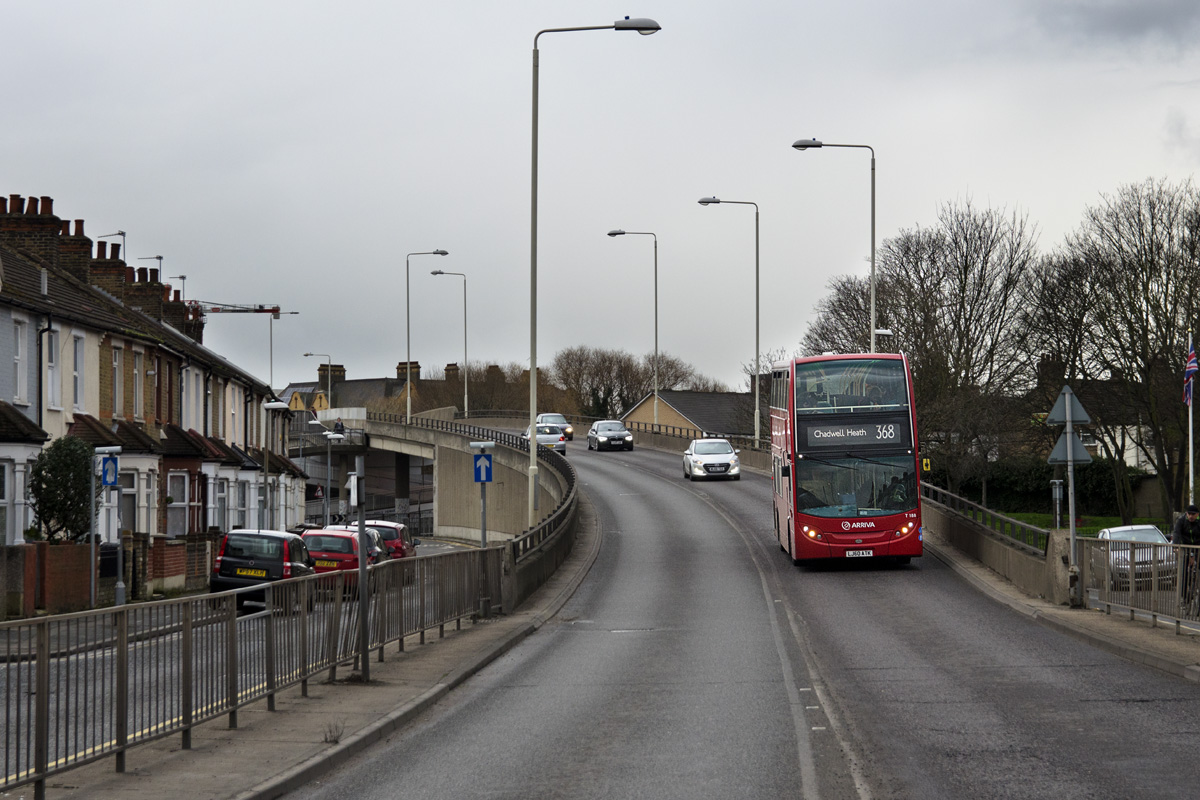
pixel 456 506
pixel 1037 575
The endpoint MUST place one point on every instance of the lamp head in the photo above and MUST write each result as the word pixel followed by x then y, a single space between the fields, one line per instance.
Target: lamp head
pixel 706 200
pixel 617 232
pixel 437 272
pixel 306 355
pixel 804 144
pixel 440 253
pixel 642 25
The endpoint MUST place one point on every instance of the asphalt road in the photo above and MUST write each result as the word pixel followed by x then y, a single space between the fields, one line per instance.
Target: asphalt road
pixel 695 661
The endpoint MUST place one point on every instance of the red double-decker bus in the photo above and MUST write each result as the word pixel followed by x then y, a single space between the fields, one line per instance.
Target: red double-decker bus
pixel 844 458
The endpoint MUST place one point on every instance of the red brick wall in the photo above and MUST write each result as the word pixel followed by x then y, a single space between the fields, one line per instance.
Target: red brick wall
pixel 168 558
pixel 67 584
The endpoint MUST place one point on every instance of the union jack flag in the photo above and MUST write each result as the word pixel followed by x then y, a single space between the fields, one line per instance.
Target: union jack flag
pixel 1189 372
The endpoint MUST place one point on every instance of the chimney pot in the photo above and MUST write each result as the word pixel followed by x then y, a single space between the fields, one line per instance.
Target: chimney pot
pixel 79 227
pixel 17 204
pixel 129 276
pixel 143 275
pixel 176 297
pixel 3 205
pixel 115 250
pixel 66 225
pixel 154 275
pixel 31 206
pixel 101 250
pixel 47 205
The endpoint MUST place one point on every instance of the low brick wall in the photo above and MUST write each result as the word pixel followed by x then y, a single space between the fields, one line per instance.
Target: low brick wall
pixel 168 565
pixel 66 577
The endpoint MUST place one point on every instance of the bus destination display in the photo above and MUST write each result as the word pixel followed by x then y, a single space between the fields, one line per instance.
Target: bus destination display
pixel 875 432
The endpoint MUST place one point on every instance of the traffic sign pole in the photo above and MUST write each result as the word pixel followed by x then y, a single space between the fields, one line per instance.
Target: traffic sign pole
pixel 101 451
pixel 482 467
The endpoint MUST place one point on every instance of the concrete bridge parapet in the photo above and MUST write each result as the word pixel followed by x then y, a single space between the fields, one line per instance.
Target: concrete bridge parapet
pixel 456 494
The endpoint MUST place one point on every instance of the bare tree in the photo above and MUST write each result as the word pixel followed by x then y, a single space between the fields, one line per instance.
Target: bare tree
pixel 607 383
pixel 842 319
pixel 1139 251
pixel 951 296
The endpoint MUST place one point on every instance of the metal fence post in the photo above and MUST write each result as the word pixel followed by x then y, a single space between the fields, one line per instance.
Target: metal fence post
pixel 185 684
pixel 122 676
pixel 41 718
pixel 231 662
pixel 270 643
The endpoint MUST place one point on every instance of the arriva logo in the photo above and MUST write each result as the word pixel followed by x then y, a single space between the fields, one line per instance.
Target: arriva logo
pixel 846 526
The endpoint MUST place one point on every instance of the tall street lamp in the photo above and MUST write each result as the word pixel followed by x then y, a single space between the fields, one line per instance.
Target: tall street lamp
pixel 268 502
pixel 619 232
pixel 644 27
pixel 328 450
pixel 270 405
pixel 466 409
pixel 408 332
pixel 806 144
pixel 707 201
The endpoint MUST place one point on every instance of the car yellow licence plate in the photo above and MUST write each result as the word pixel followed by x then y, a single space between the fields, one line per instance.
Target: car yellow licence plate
pixel 252 573
pixel 859 553
pixel 324 563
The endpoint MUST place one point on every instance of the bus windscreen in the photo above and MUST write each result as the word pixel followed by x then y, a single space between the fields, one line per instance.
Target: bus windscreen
pixel 851 386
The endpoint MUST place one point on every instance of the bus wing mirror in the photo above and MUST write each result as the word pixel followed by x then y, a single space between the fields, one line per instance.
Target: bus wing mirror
pixel 786 470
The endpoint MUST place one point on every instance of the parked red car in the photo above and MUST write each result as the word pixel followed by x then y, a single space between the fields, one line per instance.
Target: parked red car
pixel 395 535
pixel 333 550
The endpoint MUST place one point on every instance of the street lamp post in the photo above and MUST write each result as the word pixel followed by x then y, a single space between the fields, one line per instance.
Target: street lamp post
pixel 707 201
pixel 269 406
pixel 328 450
pixel 644 27
pixel 619 232
pixel 408 332
pixel 806 144
pixel 466 409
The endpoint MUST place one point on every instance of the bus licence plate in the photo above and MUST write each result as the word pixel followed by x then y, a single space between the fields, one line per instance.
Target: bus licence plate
pixel 252 573
pixel 859 553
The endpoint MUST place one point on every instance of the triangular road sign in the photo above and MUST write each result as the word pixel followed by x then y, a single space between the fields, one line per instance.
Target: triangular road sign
pixel 1079 453
pixel 1058 414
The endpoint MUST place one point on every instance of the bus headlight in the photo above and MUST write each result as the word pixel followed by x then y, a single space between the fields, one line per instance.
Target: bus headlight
pixel 906 529
pixel 811 532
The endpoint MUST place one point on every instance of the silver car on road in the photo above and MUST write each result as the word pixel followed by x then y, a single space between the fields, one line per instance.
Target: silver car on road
pixel 711 458
pixel 550 436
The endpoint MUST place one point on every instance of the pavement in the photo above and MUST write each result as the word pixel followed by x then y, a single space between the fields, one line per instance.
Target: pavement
pixel 274 752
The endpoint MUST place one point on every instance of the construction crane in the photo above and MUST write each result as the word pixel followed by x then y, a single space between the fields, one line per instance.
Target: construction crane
pixel 197 309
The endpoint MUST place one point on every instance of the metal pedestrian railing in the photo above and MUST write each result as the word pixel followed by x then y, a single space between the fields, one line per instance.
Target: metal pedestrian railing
pixel 1028 537
pixel 1161 580
pixel 80 687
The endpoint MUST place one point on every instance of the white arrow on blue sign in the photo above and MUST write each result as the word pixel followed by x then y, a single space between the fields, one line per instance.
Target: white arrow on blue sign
pixel 483 468
pixel 108 471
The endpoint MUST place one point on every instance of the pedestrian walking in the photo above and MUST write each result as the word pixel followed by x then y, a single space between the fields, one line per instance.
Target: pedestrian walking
pixel 1186 531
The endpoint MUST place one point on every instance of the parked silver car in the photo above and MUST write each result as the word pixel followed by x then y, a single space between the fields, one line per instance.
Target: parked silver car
pixel 550 436
pixel 711 458
pixel 1140 550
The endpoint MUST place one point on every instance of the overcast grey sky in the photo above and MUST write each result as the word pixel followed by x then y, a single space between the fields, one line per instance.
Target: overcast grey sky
pixel 292 153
